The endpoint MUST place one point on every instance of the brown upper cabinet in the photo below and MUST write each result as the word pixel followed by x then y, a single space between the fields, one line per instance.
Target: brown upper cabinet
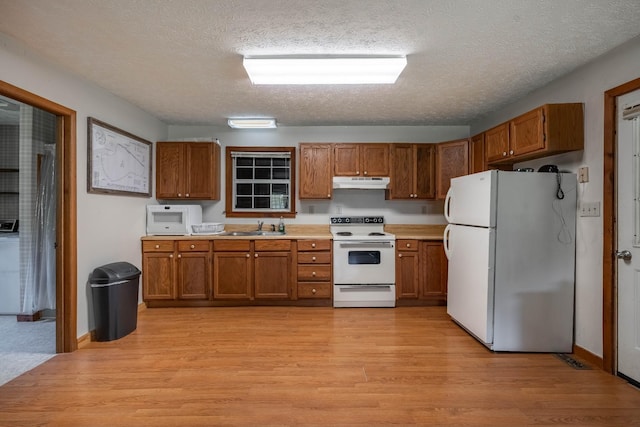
pixel 452 160
pixel 361 159
pixel 547 130
pixel 412 171
pixel 316 167
pixel 477 161
pixel 188 170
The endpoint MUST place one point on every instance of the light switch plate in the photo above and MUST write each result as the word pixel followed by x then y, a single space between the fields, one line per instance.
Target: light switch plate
pixel 589 209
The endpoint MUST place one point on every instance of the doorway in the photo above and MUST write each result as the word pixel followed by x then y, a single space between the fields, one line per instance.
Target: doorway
pixel 66 243
pixel 610 223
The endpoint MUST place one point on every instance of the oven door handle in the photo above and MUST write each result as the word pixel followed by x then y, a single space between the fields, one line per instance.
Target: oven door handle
pixel 366 244
pixel 361 288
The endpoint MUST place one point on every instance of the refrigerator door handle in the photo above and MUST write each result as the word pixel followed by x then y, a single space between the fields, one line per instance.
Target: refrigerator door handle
pixel 445 240
pixel 447 205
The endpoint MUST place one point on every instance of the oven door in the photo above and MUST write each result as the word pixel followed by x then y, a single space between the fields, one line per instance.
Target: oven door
pixel 363 263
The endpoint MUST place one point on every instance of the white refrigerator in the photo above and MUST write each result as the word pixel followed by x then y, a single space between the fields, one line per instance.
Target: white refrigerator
pixel 510 243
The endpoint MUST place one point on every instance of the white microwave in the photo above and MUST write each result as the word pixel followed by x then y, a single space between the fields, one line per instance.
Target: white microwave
pixel 173 220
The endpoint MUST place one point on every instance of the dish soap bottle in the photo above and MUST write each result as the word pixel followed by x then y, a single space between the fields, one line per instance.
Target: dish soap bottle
pixel 281 225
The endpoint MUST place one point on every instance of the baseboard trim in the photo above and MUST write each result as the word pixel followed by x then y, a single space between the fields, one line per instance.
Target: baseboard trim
pixel 588 357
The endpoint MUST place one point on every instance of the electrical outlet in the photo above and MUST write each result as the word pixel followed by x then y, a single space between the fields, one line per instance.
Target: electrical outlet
pixel 583 174
pixel 590 209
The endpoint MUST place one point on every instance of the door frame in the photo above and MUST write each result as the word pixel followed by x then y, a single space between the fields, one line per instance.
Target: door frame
pixel 66 234
pixel 610 224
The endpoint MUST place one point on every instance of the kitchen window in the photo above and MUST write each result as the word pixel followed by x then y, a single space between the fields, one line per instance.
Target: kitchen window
pixel 260 182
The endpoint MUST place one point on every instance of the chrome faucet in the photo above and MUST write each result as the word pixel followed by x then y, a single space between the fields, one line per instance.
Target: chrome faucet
pixel 260 225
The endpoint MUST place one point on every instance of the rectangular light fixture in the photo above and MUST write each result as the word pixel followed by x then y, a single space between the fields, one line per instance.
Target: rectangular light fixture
pixel 310 70
pixel 252 123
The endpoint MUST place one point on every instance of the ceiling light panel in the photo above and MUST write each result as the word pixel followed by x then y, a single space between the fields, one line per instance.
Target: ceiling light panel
pixel 252 123
pixel 324 70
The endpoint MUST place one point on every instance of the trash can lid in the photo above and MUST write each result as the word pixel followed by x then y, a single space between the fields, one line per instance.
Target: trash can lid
pixel 114 272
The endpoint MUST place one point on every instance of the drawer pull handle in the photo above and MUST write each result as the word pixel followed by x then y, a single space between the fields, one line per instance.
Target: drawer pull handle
pixel 171 256
pixel 313 245
pixel 193 246
pixel 313 291
pixel 179 255
pixel 313 273
pixel 313 258
pixel 255 255
pixel 247 255
pixel 157 246
pixel 408 245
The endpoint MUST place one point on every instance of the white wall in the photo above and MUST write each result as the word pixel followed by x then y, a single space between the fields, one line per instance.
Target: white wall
pixel 109 227
pixel 343 201
pixel 586 85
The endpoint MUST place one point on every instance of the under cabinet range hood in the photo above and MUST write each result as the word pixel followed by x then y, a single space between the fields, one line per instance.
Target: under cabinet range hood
pixel 360 183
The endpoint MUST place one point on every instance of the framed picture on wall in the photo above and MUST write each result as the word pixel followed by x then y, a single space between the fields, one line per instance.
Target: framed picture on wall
pixel 118 162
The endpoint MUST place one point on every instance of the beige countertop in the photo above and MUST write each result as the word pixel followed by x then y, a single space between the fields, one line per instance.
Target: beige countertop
pixel 317 231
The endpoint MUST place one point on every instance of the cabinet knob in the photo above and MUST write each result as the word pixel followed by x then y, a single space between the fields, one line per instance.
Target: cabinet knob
pixel 313 291
pixel 157 246
pixel 504 153
pixel 399 255
pixel 357 172
pixel 511 152
pixel 313 273
pixel 313 245
pixel 171 256
pixel 408 245
pixel 313 258
pixel 247 255
pixel 329 195
pixel 179 255
pixel 192 246
pixel 179 194
pixel 255 255
pixel 186 195
pixel 365 172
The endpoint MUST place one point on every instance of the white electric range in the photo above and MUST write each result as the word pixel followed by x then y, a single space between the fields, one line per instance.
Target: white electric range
pixel 364 272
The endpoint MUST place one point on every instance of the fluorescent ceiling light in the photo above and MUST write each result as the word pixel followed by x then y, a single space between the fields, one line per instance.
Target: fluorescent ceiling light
pixel 324 70
pixel 252 123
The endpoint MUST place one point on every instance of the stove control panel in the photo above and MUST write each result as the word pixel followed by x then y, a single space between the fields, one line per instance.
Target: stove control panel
pixel 346 220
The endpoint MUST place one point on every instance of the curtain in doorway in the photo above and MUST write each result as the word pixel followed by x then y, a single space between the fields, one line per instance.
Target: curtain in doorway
pixel 40 291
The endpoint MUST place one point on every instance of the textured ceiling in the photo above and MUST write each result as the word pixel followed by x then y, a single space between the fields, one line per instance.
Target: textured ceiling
pixel 182 60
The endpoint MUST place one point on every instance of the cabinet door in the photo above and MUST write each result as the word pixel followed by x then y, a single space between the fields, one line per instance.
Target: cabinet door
pixel 526 133
pixel 272 275
pixel 425 166
pixel 194 278
pixel 407 275
pixel 316 171
pixel 402 172
pixel 169 170
pixel 476 151
pixel 374 159
pixel 202 171
pixel 232 275
pixel 158 276
pixel 452 160
pixel 346 159
pixel 434 262
pixel 496 142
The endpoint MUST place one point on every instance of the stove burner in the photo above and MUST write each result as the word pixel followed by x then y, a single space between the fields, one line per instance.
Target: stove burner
pixel 344 233
pixel 375 233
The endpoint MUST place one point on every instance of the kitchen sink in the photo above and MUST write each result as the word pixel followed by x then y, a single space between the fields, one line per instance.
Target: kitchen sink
pixel 252 233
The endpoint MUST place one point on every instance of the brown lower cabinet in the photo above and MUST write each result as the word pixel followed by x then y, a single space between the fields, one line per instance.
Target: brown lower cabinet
pixel 235 272
pixel 421 272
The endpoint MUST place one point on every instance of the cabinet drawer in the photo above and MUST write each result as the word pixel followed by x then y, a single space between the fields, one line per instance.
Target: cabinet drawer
pixel 406 245
pixel 272 245
pixel 314 245
pixel 314 258
pixel 193 246
pixel 231 245
pixel 314 290
pixel 314 272
pixel 157 246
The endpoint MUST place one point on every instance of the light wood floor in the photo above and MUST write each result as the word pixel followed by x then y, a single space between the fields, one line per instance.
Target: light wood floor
pixel 309 366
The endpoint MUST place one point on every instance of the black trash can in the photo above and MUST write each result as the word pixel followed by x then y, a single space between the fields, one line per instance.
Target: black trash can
pixel 115 299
